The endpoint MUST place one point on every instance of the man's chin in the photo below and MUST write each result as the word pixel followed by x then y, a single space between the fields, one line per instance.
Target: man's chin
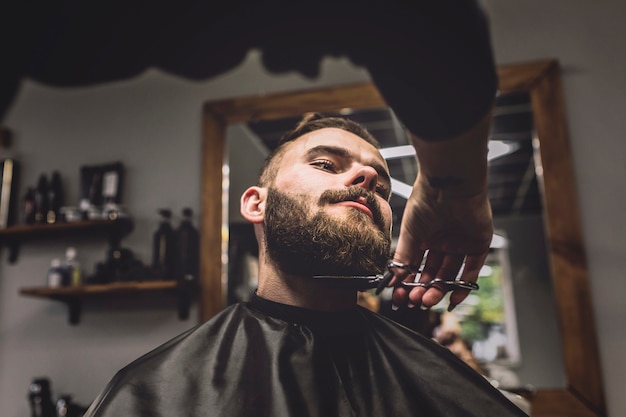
pixel 334 241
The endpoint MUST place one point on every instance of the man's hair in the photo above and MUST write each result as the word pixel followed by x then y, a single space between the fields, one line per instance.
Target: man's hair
pixel 309 123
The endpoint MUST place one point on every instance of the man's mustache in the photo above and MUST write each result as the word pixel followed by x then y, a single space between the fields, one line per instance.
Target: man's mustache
pixel 353 194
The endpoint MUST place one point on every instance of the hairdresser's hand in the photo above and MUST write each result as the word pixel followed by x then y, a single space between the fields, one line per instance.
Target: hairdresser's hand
pixel 449 231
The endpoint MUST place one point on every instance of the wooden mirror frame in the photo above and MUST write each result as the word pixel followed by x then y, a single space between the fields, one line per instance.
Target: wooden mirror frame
pixel 583 395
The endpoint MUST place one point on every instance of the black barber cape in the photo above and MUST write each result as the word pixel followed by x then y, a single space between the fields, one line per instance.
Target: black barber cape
pixel 267 359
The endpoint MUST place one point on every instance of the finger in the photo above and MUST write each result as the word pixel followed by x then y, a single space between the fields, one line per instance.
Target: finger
pixel 399 297
pixel 413 259
pixel 408 257
pixel 406 253
pixel 471 270
pixel 432 264
pixel 402 271
pixel 449 269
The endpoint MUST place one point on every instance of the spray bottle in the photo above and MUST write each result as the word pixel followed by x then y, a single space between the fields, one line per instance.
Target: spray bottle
pixel 163 250
pixel 188 248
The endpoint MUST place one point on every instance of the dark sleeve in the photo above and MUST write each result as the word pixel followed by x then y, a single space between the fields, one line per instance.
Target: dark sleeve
pixel 432 59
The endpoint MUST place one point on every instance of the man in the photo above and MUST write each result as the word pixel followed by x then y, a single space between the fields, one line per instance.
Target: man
pixel 301 346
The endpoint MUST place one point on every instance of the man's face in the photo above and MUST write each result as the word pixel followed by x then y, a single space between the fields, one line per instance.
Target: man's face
pixel 327 210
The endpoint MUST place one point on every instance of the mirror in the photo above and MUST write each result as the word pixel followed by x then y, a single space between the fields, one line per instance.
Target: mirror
pixel 515 281
pixel 540 83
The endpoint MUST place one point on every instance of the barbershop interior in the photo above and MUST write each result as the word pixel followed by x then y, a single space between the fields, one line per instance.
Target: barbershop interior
pixel 148 159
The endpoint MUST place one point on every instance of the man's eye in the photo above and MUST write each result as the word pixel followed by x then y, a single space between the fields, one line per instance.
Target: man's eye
pixel 324 164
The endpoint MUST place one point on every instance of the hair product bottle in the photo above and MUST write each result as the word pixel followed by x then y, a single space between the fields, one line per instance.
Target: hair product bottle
pixel 55 198
pixel 163 250
pixel 187 248
pixel 71 267
pixel 28 208
pixel 55 274
pixel 40 398
pixel 41 199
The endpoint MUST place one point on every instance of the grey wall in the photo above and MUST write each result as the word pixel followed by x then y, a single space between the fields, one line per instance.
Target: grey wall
pixel 155 121
pixel 153 125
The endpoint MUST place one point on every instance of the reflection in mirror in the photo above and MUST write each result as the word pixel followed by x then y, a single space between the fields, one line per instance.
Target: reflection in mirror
pixel 495 328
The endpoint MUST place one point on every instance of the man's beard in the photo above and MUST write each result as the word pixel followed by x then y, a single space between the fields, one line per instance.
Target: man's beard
pixel 320 244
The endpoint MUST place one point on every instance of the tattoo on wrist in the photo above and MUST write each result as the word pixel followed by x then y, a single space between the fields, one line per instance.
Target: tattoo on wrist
pixel 438 182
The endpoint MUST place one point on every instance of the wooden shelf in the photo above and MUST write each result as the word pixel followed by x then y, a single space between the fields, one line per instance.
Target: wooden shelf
pixel 98 289
pixel 74 296
pixel 37 230
pixel 15 235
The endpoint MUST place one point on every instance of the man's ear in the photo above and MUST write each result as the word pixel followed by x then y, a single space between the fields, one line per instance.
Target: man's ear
pixel 253 204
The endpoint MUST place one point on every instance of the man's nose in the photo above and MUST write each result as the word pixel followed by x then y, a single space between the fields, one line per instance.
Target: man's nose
pixel 364 176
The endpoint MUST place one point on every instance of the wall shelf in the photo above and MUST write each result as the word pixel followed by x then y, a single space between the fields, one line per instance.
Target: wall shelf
pixel 13 236
pixel 74 296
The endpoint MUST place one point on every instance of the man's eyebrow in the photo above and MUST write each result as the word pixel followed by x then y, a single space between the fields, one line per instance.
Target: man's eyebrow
pixel 345 153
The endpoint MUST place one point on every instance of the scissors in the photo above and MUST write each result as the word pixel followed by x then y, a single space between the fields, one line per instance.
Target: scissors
pixel 380 281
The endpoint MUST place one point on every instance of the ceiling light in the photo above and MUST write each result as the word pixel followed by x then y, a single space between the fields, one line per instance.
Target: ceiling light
pixel 394 152
pixel 400 188
pixel 497 148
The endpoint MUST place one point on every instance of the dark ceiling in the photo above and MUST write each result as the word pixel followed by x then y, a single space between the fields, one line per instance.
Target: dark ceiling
pixel 70 43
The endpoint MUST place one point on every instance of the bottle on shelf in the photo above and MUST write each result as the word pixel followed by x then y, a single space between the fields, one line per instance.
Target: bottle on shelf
pixel 55 274
pixel 87 190
pixel 187 248
pixel 41 199
pixel 29 206
pixel 112 179
pixel 40 398
pixel 66 407
pixel 63 405
pixel 55 198
pixel 163 250
pixel 71 268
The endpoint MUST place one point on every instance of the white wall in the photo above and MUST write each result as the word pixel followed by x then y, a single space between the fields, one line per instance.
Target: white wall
pixel 588 39
pixel 155 120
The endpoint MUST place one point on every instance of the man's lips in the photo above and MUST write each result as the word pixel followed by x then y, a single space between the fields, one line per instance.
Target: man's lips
pixel 359 205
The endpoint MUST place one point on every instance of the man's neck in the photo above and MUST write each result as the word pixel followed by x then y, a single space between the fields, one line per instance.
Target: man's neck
pixel 299 291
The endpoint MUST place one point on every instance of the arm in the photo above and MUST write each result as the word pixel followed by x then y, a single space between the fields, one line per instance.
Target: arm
pixel 448 215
